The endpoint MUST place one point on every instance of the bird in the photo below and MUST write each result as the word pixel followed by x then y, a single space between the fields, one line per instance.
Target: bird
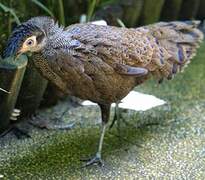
pixel 104 63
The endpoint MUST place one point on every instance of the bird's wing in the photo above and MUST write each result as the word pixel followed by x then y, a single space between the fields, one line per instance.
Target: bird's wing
pixel 162 48
pixel 114 46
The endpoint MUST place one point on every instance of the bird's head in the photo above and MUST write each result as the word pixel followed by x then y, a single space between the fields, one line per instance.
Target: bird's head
pixel 31 36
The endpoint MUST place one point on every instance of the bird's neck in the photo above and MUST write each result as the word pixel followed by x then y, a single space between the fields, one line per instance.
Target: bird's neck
pixel 54 29
pixel 57 37
pixel 42 65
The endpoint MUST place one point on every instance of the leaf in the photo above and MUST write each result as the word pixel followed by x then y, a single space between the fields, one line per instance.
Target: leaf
pixel 61 12
pixel 119 21
pixel 91 8
pixel 38 3
pixel 11 11
pixel 106 3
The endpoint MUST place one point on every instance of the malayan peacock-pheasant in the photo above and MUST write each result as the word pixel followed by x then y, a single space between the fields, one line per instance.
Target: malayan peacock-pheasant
pixel 104 63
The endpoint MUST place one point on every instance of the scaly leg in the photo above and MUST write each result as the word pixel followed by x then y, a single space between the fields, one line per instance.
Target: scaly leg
pixel 117 117
pixel 97 159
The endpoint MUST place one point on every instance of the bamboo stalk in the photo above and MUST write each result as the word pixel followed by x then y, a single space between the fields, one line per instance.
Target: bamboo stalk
pixel 151 11
pixel 132 12
pixel 11 76
pixel 189 9
pixel 171 10
pixel 201 10
pixel 61 12
pixel 91 8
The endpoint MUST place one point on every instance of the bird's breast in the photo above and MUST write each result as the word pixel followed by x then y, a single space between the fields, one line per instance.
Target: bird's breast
pixel 100 87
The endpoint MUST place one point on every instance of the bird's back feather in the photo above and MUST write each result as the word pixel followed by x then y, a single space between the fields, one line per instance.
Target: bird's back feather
pixel 162 48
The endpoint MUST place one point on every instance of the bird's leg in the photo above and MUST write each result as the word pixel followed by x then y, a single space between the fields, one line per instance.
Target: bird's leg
pixel 117 117
pixel 97 159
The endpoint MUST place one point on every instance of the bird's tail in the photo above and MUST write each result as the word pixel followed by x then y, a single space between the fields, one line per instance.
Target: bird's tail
pixel 180 40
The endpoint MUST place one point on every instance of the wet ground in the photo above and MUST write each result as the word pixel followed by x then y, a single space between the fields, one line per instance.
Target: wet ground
pixel 165 142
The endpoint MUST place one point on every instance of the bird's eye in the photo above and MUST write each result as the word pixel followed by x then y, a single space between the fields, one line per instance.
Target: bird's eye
pixel 30 42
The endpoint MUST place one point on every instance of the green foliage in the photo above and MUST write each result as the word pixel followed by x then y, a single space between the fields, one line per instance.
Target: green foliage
pixel 130 12
pixel 121 24
pixel 91 8
pixel 11 11
pixel 151 11
pixel 38 3
pixel 61 12
pixel 97 4
pixel 174 5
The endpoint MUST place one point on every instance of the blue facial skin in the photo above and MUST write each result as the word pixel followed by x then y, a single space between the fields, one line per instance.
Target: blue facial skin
pixel 18 36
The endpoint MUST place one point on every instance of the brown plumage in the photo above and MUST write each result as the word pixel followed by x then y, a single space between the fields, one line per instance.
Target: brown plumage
pixel 101 61
pixel 104 63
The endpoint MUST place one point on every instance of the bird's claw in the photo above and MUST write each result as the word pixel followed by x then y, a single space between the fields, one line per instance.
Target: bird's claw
pixel 96 160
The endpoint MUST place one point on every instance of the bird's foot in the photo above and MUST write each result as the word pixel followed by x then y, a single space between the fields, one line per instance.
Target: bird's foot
pixel 19 133
pixel 96 160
